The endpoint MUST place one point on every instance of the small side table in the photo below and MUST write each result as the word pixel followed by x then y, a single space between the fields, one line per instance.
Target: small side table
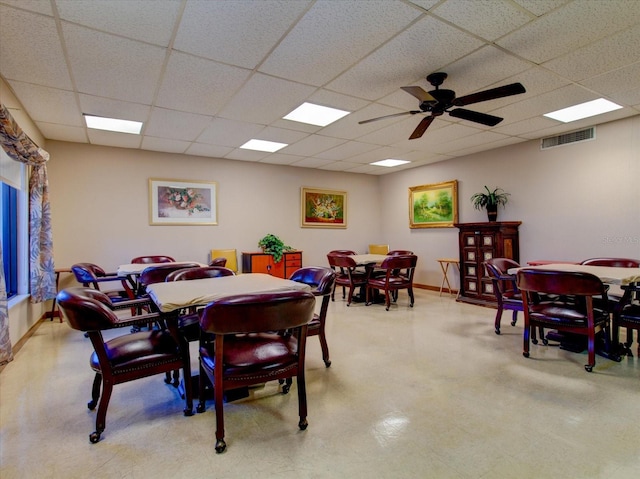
pixel 52 314
pixel 444 266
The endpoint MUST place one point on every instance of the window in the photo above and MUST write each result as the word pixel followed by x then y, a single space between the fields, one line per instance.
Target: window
pixel 9 217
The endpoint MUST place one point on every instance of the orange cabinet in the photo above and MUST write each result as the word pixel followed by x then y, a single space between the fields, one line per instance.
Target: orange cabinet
pixel 263 263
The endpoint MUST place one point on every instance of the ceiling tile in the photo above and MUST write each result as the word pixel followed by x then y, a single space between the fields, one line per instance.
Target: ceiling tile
pixel 74 134
pixel 230 133
pixel 110 138
pixel 236 32
pixel 164 144
pixel 212 151
pixel 176 125
pixel 99 106
pixel 49 104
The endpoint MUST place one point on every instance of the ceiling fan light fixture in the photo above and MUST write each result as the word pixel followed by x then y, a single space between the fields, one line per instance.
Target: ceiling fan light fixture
pixel 390 163
pixel 583 110
pixel 113 124
pixel 263 145
pixel 315 114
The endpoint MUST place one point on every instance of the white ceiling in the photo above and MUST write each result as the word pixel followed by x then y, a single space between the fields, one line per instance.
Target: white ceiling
pixel 205 76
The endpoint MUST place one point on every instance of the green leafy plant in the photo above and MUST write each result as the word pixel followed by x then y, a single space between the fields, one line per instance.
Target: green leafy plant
pixel 274 246
pixel 492 198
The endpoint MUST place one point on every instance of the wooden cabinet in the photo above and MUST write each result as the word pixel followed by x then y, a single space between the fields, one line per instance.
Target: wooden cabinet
pixel 479 242
pixel 263 263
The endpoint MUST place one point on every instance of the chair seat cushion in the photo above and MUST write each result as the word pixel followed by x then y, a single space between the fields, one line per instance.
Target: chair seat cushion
pixel 560 314
pixel 138 350
pixel 394 282
pixel 246 354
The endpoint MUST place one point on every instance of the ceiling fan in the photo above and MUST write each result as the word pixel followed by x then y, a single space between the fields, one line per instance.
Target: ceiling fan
pixel 436 102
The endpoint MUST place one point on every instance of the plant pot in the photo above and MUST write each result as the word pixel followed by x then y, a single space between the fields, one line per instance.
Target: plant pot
pixel 492 212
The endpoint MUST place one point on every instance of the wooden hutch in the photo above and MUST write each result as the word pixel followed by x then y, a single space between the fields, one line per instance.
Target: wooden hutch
pixel 479 242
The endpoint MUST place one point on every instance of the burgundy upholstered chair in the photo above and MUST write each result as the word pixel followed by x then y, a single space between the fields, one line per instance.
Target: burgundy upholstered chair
pixel 124 358
pixel 246 350
pixel 399 252
pixel 347 275
pixel 152 259
pixel 339 271
pixel 219 261
pixel 92 275
pixel 615 262
pixel 399 271
pixel 507 294
pixel 578 316
pixel 321 280
pixel 627 315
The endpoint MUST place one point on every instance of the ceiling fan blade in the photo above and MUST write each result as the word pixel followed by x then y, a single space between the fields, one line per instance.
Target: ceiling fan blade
pixel 500 92
pixel 412 112
pixel 476 116
pixel 422 127
pixel 419 93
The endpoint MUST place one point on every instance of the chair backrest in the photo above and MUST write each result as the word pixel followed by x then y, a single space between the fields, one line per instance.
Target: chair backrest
pixel 251 313
pixel 341 251
pixel 401 264
pixel 199 273
pixel 497 269
pixel 318 278
pixel 378 248
pixel 152 259
pixel 86 273
pixel 86 309
pixel 572 283
pixel 617 262
pixel 230 254
pixel 399 252
pixel 341 261
pixel 159 273
pixel 219 261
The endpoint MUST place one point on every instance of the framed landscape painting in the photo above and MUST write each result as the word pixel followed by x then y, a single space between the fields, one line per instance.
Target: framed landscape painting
pixel 180 202
pixel 323 208
pixel 433 206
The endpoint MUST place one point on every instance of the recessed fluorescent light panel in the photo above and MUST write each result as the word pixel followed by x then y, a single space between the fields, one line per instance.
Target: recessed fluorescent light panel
pixel 263 145
pixel 315 114
pixel 113 124
pixel 390 163
pixel 583 110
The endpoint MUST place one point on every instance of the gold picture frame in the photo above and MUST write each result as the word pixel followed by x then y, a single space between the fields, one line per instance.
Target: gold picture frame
pixel 433 206
pixel 322 208
pixel 182 202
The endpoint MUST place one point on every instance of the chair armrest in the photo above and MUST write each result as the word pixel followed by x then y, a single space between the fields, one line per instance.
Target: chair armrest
pixel 140 319
pixel 134 303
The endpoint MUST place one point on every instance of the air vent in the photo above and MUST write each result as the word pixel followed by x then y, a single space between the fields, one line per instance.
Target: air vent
pixel 566 138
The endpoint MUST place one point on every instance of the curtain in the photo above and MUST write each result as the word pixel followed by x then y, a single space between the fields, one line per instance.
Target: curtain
pixel 6 354
pixel 20 147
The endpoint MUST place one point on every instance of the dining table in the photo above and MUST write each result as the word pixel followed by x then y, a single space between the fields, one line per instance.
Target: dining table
pixel 175 295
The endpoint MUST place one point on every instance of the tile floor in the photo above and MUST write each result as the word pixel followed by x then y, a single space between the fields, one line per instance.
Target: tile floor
pixel 423 392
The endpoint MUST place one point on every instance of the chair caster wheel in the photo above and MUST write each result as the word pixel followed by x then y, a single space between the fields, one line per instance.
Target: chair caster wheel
pixel 497 330
pixel 168 380
pixel 285 389
pixel 534 341
pixel 513 323
pixel 303 424
pixel 327 363
pixel 545 342
pixel 94 437
pixel 220 446
pixel 526 355
pixel 588 368
pixel 92 405
pixel 188 412
pixel 200 408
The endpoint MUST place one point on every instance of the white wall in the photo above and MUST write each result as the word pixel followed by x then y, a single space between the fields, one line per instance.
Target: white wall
pixel 575 201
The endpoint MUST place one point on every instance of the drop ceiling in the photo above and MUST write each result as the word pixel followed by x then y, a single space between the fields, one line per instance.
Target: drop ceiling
pixel 206 76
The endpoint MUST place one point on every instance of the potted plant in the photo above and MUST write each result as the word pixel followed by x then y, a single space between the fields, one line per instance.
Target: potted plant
pixel 274 246
pixel 490 201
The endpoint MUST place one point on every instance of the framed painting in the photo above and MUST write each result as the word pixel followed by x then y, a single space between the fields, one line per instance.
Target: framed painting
pixel 433 206
pixel 180 202
pixel 323 208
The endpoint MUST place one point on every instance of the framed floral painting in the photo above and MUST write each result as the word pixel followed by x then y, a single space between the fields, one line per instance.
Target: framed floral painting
pixel 433 206
pixel 323 208
pixel 180 202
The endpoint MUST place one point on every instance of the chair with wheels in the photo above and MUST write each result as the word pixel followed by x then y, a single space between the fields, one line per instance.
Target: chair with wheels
pixel 507 294
pixel 321 281
pixel 124 358
pixel 627 315
pixel 399 271
pixel 578 316
pixel 152 259
pixel 348 277
pixel 248 349
pixel 230 254
pixel 339 271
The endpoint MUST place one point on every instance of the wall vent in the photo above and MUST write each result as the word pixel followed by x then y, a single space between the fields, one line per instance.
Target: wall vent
pixel 566 138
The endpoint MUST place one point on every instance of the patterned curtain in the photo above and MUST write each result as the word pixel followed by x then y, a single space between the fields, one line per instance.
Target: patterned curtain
pixel 20 147
pixel 6 354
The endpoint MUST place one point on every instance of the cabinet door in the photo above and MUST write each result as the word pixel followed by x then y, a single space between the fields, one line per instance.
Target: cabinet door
pixel 469 269
pixel 261 263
